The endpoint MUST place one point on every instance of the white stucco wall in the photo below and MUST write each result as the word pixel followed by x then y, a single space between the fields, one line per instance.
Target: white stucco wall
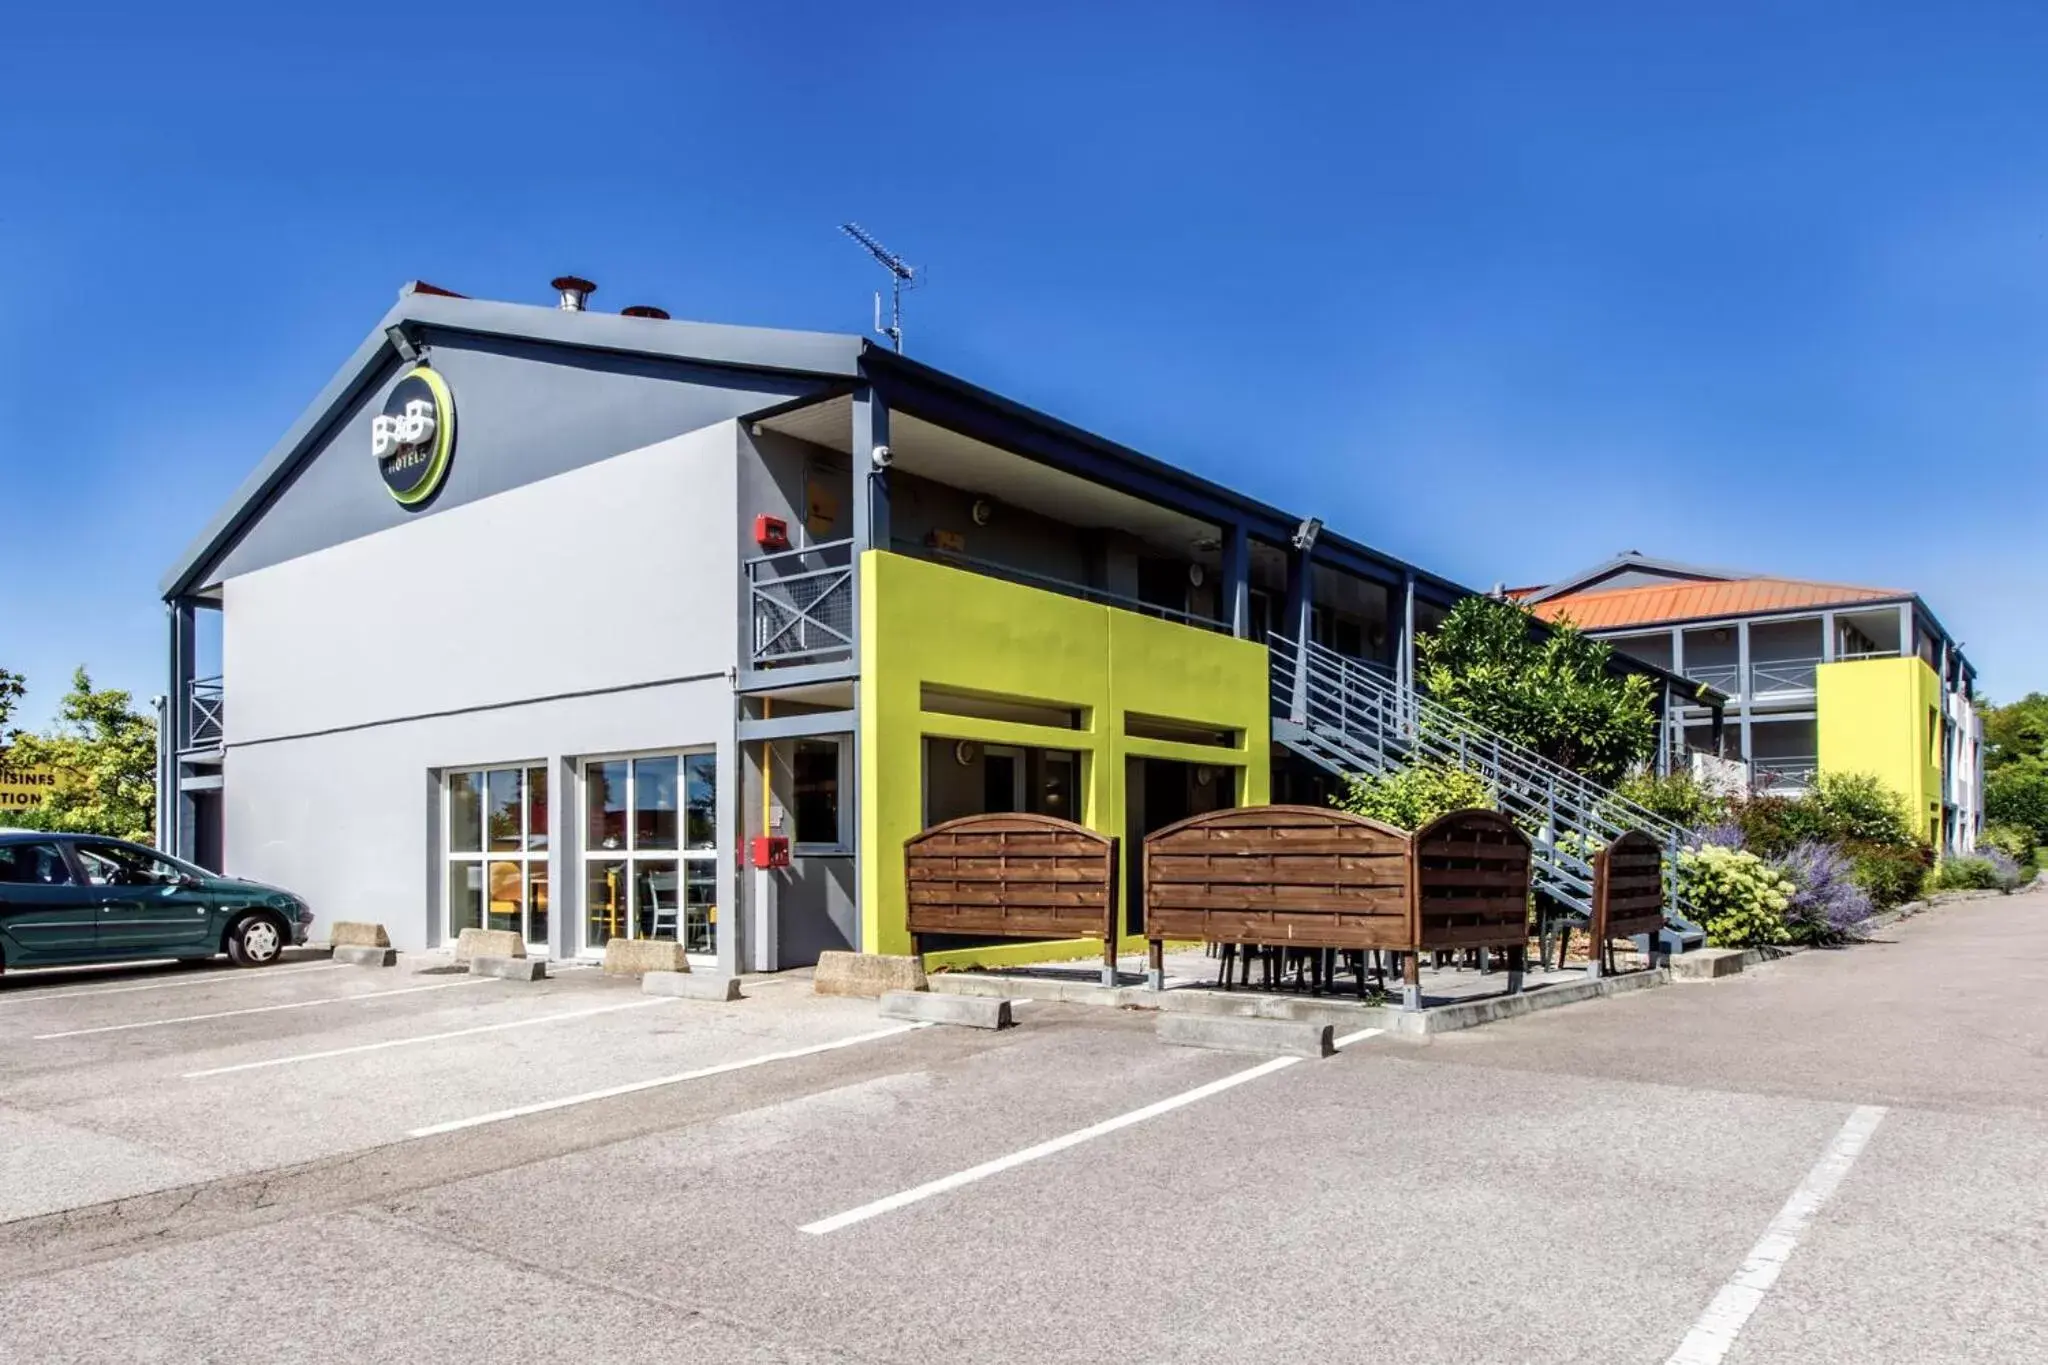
pixel 594 612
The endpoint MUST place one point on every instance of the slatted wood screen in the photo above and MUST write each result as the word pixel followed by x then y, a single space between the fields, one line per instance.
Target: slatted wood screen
pixel 1628 887
pixel 1472 882
pixel 1305 876
pixel 1013 876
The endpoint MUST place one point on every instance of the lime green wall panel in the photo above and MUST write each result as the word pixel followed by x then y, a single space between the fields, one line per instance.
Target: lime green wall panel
pixel 929 624
pixel 1875 716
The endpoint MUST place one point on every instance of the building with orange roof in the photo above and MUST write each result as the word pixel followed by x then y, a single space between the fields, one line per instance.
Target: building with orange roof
pixel 1821 677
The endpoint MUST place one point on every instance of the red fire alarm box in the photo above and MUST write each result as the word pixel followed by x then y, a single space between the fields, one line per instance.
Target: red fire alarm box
pixel 771 850
pixel 771 533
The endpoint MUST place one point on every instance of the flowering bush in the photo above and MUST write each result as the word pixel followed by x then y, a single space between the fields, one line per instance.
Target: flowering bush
pixel 1410 798
pixel 1720 834
pixel 1742 898
pixel 1991 870
pixel 1827 905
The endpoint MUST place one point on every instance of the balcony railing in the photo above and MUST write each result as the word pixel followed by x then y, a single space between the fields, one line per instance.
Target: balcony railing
pixel 205 713
pixel 1778 675
pixel 1792 776
pixel 801 604
pixel 1064 587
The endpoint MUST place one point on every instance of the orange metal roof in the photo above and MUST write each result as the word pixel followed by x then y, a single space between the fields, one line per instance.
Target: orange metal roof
pixel 1661 603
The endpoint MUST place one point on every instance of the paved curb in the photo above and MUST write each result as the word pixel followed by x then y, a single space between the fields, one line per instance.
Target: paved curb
pixel 968 1011
pixel 508 968
pixel 306 952
pixel 691 985
pixel 1271 1037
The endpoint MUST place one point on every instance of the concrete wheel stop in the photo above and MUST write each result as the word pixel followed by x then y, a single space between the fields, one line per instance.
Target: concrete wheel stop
pixel 361 944
pixel 967 1011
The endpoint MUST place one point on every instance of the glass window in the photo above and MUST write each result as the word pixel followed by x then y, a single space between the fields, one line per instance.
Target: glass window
pixel 655 807
pixel 536 807
pixel 113 865
pixel 814 773
pixel 703 783
pixel 465 814
pixel 605 797
pixel 33 865
pixel 497 869
pixel 502 826
pixel 653 875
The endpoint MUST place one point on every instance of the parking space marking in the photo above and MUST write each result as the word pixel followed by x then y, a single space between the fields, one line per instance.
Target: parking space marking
pixel 256 1009
pixel 1717 1328
pixel 28 995
pixel 298 1057
pixel 634 1087
pixel 946 1184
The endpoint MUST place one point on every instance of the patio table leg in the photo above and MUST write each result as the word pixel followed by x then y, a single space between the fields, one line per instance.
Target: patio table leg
pixel 1518 961
pixel 1411 981
pixel 1155 965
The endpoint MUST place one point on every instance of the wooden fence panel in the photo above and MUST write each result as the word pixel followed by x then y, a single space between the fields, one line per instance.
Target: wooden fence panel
pixel 1472 882
pixel 1013 876
pixel 1294 876
pixel 1628 888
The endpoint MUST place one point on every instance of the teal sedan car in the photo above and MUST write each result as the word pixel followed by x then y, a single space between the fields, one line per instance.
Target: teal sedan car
pixel 74 898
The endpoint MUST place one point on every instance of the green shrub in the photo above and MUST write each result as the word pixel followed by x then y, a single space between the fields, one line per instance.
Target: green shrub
pixel 1678 798
pixel 1412 797
pixel 1849 808
pixel 1770 825
pixel 1741 898
pixel 1892 875
pixel 2014 841
pixel 1976 872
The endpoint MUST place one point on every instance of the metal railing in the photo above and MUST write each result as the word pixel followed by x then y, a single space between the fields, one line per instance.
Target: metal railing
pixel 1790 776
pixel 1777 675
pixel 801 605
pixel 1350 719
pixel 1063 586
pixel 205 712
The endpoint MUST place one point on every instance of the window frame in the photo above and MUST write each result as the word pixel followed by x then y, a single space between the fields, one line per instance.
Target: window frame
pixel 842 842
pixel 57 849
pixel 527 855
pixel 630 853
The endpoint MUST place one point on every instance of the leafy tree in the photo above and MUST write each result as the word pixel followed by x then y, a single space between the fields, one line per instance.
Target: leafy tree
pixel 1551 691
pixel 2016 731
pixel 104 754
pixel 2017 794
pixel 12 687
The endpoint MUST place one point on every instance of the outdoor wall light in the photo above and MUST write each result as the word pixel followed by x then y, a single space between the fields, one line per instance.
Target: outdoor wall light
pixel 983 511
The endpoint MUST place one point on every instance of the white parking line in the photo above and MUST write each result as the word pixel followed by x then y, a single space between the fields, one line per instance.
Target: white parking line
pixel 986 1169
pixel 424 1038
pixel 23 993
pixel 1730 1311
pixel 635 1087
pixel 256 1009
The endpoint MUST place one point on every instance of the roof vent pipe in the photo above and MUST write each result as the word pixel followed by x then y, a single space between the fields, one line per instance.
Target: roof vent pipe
pixel 641 310
pixel 574 292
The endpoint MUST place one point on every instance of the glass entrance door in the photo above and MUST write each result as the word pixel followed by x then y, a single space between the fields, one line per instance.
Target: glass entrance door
pixel 650 850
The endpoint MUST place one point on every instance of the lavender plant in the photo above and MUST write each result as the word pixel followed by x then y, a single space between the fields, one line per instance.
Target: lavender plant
pixel 1827 905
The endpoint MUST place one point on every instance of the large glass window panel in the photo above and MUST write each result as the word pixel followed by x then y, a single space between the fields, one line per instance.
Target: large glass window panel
pixel 537 807
pixel 465 897
pixel 605 890
pixel 657 895
pixel 537 902
pixel 508 891
pixel 503 830
pixel 814 773
pixel 465 814
pixel 654 803
pixel 701 777
pixel 605 785
pixel 699 911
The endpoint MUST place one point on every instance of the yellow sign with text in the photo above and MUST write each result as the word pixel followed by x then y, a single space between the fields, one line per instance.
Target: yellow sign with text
pixel 21 788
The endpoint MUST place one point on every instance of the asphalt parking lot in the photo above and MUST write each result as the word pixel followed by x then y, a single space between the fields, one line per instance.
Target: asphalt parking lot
pixel 1832 1159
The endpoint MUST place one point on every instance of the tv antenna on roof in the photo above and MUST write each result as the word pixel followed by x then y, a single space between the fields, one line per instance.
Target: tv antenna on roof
pixel 902 276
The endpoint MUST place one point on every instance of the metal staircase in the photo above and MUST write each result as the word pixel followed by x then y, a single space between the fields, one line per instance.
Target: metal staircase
pixel 1349 718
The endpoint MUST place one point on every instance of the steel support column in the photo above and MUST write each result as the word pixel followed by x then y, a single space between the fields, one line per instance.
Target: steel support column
pixel 1235 605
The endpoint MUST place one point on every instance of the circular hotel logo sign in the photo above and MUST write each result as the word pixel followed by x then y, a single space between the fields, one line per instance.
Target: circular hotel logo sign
pixel 414 436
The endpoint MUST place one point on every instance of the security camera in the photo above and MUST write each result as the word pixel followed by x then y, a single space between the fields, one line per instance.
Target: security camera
pixel 882 457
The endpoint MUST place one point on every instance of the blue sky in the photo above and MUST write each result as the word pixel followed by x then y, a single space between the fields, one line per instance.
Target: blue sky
pixel 1501 289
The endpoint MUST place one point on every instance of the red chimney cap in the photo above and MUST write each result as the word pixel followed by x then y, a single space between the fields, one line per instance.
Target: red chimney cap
pixel 642 310
pixel 573 282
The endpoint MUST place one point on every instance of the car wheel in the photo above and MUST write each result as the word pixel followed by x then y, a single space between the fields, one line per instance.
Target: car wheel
pixel 255 941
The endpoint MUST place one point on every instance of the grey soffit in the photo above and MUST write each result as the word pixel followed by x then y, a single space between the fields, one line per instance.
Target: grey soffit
pixel 823 354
